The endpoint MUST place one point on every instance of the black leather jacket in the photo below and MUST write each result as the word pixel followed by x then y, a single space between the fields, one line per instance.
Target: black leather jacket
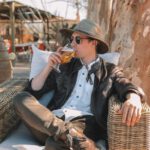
pixel 109 79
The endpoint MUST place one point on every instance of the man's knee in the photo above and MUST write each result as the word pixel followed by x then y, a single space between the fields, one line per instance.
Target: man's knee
pixel 21 99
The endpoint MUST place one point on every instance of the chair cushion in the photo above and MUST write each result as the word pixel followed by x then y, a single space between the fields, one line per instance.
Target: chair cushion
pixel 39 60
pixel 8 117
pixel 122 137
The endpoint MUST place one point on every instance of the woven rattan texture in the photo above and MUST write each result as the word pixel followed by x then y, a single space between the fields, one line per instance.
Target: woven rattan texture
pixel 122 137
pixel 8 117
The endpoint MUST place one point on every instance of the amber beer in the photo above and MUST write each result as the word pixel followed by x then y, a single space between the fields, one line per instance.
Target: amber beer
pixel 67 53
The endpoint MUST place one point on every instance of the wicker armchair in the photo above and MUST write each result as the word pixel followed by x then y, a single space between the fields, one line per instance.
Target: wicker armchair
pixel 120 137
pixel 8 117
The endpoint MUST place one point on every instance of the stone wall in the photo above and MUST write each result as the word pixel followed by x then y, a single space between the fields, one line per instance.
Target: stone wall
pixel 126 26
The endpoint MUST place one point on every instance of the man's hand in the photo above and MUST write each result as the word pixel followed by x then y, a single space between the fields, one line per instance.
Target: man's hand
pixel 39 80
pixel 131 109
pixel 54 58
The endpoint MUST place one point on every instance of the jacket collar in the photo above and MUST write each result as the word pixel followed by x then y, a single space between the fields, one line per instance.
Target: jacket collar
pixel 98 68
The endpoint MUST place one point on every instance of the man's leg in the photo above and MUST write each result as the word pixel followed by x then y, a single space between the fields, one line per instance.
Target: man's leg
pixel 88 126
pixel 90 133
pixel 39 136
pixel 83 135
pixel 37 116
pixel 42 119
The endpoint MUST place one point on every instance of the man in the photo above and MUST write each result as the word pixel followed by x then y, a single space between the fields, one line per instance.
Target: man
pixel 76 117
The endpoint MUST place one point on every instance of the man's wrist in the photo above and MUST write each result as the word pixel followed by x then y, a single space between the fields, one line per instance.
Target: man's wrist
pixel 133 96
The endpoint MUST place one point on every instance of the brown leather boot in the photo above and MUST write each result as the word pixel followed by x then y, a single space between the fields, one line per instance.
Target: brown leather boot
pixel 77 140
pixel 83 144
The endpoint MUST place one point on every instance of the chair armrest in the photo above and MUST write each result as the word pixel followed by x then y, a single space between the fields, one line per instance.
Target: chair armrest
pixel 8 116
pixel 122 137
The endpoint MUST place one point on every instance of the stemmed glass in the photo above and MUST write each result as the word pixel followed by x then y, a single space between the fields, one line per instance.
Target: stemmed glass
pixel 67 53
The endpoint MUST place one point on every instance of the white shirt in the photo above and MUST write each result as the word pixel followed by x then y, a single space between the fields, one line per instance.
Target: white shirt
pixel 78 104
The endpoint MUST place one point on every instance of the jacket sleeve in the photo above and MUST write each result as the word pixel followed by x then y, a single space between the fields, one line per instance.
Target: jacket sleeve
pixel 123 86
pixel 49 85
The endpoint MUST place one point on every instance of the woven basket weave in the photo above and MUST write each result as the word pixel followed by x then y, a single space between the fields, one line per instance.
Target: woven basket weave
pixel 8 117
pixel 121 137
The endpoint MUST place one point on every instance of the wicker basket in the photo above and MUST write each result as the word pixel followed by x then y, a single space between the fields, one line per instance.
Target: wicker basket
pixel 122 137
pixel 8 117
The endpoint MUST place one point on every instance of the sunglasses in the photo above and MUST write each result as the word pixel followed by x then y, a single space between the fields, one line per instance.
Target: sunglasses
pixel 78 39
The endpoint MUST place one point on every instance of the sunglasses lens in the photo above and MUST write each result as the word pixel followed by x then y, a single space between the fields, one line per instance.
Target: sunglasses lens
pixel 78 40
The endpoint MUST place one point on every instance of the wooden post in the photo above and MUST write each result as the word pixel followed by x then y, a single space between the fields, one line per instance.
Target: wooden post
pixel 77 13
pixel 12 22
pixel 22 32
pixel 48 36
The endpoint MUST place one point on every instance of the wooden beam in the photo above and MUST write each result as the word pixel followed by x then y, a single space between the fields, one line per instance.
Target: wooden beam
pixel 12 22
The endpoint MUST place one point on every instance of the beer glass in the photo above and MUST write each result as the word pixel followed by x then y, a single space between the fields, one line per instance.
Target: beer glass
pixel 67 53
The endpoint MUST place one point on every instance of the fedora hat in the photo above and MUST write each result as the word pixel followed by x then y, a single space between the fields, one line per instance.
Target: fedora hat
pixel 90 29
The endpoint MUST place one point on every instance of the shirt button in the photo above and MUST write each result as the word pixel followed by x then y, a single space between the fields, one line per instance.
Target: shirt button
pixel 77 96
pixel 80 85
pixel 83 74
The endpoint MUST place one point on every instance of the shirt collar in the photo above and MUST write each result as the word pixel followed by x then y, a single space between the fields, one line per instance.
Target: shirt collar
pixel 88 66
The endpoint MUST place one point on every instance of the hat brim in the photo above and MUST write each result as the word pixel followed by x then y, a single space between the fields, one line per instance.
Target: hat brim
pixel 102 46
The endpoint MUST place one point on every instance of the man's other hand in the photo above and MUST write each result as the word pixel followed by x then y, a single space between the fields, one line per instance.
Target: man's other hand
pixel 131 109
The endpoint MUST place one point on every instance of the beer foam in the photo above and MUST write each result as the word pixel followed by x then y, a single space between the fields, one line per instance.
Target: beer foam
pixel 67 49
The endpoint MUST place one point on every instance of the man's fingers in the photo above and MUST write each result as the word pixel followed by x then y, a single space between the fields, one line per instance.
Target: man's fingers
pixel 59 49
pixel 125 113
pixel 138 115
pixel 57 54
pixel 131 116
pixel 131 111
pixel 55 58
